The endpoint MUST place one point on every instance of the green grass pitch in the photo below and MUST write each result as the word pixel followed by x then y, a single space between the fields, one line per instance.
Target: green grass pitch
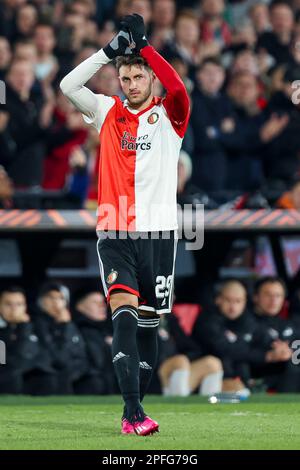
pixel 262 422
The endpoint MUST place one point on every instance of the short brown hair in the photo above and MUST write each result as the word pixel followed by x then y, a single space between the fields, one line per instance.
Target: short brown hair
pixel 131 60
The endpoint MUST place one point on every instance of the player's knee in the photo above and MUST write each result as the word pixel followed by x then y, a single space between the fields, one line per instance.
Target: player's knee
pixel 181 362
pixel 213 364
pixel 118 299
pixel 144 313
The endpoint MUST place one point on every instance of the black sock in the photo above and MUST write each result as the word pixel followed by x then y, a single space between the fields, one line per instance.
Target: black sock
pixel 126 357
pixel 147 347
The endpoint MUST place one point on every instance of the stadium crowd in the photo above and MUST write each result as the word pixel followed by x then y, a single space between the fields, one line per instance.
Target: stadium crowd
pixel 61 344
pixel 239 59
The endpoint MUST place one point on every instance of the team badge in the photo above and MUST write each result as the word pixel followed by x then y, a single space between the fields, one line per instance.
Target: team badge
pixel 153 118
pixel 112 276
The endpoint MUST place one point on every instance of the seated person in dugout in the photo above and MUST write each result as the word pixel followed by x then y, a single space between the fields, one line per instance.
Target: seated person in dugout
pixel 91 317
pixel 61 337
pixel 276 335
pixel 28 367
pixel 182 366
pixel 226 331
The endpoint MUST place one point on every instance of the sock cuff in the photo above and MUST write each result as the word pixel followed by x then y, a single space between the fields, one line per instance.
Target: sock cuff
pixel 126 308
pixel 148 322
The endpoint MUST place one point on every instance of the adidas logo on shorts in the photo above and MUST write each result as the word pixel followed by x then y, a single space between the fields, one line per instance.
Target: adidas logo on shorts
pixel 145 365
pixel 119 356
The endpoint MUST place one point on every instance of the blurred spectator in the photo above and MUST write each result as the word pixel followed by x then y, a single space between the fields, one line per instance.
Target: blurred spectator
pixel 71 34
pixel 250 132
pixel 107 81
pixel 85 8
pixel 163 17
pixel 5 56
pixel 121 9
pixel 290 199
pixel 7 17
pixel 244 36
pixel 183 368
pixel 68 133
pixel 259 15
pixel 276 43
pixel 214 30
pixel 60 336
pixel 281 156
pixel 28 368
pixel 143 8
pixel 6 187
pixel 278 334
pixel 186 39
pixel 26 20
pixel 26 50
pixel 47 66
pixel 90 315
pixel 211 112
pixel 245 61
pixel 23 149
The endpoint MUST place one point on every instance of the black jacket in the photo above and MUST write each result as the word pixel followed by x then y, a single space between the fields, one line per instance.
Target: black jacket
pixel 207 115
pixel 245 150
pixel 64 343
pixel 22 148
pixel 94 334
pixel 229 339
pixel 282 153
pixel 24 350
pixel 271 328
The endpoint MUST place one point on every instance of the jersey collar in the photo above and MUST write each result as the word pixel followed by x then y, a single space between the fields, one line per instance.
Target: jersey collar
pixel 154 102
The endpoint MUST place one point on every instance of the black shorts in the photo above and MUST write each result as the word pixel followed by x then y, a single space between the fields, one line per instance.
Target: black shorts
pixel 143 266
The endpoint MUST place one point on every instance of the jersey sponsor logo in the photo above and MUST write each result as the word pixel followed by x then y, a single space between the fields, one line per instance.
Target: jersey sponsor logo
pixel 153 118
pixel 130 142
pixel 121 119
pixel 112 276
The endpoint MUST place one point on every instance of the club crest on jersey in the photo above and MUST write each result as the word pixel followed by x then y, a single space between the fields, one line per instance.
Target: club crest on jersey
pixel 153 118
pixel 112 276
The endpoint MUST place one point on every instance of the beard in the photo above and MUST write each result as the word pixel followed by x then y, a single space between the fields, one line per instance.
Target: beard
pixel 140 99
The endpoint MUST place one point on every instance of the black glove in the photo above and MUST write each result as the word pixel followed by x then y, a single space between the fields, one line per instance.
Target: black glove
pixel 136 26
pixel 119 45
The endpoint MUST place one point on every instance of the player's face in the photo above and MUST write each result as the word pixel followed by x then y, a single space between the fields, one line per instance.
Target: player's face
pixel 232 302
pixel 270 298
pixel 12 306
pixel 137 84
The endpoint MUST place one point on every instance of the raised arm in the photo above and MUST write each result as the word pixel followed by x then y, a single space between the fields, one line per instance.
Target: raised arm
pixel 72 85
pixel 177 102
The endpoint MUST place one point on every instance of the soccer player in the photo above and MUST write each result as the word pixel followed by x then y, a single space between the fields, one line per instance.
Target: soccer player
pixel 137 213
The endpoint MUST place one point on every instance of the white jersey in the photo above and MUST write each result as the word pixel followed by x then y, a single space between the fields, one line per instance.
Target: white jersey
pixel 139 154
